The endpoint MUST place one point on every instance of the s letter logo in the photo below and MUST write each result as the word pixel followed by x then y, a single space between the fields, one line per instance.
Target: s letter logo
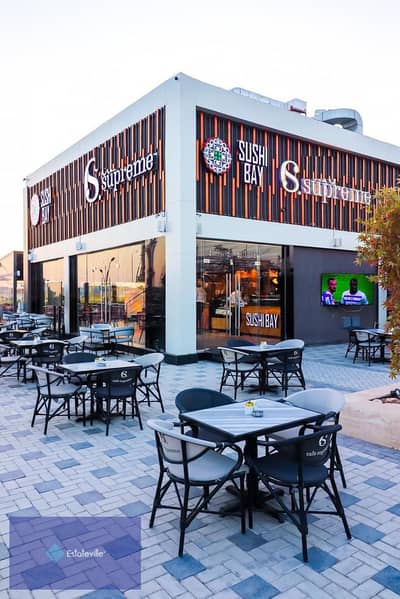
pixel 91 181
pixel 289 181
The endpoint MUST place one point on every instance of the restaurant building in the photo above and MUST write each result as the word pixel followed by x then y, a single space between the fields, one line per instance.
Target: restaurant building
pixel 192 193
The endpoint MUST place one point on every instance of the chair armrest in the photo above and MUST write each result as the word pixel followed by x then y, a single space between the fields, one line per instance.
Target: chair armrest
pixel 222 445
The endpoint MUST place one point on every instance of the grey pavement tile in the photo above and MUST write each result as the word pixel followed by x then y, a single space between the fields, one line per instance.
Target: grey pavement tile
pixel 77 470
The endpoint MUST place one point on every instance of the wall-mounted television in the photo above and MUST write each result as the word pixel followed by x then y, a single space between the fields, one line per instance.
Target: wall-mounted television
pixel 346 289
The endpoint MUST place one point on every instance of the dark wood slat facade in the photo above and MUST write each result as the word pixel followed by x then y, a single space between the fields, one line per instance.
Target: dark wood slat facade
pixel 228 195
pixel 71 215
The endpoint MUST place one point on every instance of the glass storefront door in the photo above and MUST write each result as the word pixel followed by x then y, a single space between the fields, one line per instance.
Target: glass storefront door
pixel 239 292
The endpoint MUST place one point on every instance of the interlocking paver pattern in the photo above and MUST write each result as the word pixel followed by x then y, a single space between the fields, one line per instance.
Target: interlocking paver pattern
pixel 77 470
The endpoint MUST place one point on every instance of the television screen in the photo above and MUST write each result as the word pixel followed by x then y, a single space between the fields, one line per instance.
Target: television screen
pixel 346 289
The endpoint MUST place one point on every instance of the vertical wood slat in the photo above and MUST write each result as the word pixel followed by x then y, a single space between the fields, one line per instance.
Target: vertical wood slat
pixel 270 202
pixel 71 215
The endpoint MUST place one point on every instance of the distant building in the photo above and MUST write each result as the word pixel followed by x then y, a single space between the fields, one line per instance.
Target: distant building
pixel 196 183
pixel 11 281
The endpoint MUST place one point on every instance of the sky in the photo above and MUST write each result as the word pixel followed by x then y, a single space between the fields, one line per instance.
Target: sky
pixel 67 66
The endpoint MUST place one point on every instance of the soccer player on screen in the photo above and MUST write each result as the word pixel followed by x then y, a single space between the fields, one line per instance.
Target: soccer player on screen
pixel 327 298
pixel 353 296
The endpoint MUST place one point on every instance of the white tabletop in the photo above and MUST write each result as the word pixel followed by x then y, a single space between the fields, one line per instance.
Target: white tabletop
pixel 92 367
pixel 33 342
pixel 259 348
pixel 232 421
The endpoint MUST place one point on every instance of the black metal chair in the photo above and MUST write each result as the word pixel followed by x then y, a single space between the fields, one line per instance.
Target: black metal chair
pixel 54 396
pixel 10 363
pixel 79 357
pixel 303 464
pixel 367 344
pixel 351 343
pixel 100 340
pixel 323 401
pixel 198 398
pixel 148 382
pixel 76 344
pixel 48 353
pixel 286 364
pixel 236 370
pixel 191 462
pixel 118 386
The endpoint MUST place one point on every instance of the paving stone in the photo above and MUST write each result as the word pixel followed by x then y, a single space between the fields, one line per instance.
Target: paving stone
pixel 223 558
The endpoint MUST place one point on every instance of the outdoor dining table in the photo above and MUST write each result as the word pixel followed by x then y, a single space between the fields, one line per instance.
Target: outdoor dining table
pixel 383 337
pixel 26 349
pixel 265 353
pixel 234 424
pixel 97 366
pixel 93 368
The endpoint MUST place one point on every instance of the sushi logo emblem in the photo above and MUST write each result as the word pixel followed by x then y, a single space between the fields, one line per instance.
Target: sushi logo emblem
pixel 217 155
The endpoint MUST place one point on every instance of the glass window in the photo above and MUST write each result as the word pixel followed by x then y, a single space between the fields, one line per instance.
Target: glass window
pixel 238 291
pixel 125 286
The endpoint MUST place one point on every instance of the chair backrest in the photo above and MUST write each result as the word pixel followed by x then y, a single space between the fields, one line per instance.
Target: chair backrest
pixel 197 398
pixel 319 400
pixel 291 357
pixel 74 341
pixel 10 335
pixel 153 359
pixel 79 356
pixel 360 336
pixel 118 381
pixel 313 446
pixel 123 334
pixel 50 349
pixel 174 447
pixel 290 344
pixel 45 378
pixel 231 356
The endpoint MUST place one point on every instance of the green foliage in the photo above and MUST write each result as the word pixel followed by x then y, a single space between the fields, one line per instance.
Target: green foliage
pixel 379 245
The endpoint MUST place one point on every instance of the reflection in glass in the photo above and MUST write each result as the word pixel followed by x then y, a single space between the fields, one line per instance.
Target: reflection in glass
pixel 242 283
pixel 125 286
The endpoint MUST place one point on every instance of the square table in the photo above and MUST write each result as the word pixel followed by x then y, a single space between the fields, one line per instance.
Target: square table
pixel 92 368
pixel 265 353
pixel 26 349
pixel 234 424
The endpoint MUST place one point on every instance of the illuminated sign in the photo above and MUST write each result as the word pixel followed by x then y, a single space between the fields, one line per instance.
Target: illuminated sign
pixel 111 179
pixel 217 155
pixel 39 208
pixel 254 159
pixel 325 188
pixel 266 320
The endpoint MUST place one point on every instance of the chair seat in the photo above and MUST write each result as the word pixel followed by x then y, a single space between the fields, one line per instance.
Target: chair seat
pixel 210 467
pixel 64 389
pixel 286 471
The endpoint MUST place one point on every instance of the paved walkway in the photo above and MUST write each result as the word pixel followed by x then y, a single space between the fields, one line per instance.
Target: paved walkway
pixel 78 471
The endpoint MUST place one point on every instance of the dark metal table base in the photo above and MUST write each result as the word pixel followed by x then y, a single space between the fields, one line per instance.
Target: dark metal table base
pixel 260 504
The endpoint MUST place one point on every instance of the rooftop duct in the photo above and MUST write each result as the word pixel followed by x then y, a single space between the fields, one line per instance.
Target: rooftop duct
pixel 345 117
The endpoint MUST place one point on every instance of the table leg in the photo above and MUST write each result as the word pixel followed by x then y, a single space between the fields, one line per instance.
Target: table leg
pixel 253 493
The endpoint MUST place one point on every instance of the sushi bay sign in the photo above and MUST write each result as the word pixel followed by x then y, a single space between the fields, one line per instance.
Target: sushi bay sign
pixel 111 179
pixel 253 159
